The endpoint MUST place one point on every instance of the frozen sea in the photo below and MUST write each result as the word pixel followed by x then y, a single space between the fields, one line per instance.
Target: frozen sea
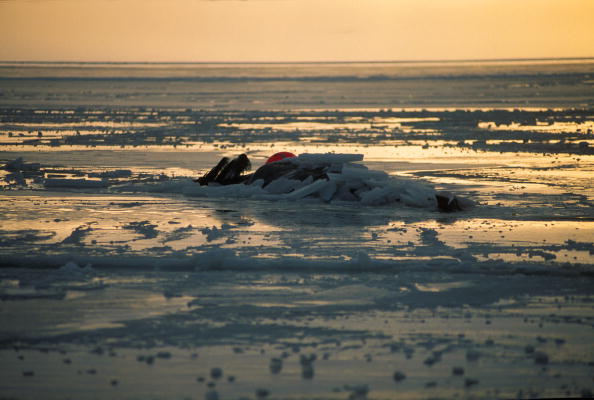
pixel 120 278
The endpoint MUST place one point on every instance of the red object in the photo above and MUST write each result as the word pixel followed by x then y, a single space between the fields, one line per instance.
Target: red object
pixel 280 156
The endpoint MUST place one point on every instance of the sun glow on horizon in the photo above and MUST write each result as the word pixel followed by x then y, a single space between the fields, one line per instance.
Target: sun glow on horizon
pixel 293 30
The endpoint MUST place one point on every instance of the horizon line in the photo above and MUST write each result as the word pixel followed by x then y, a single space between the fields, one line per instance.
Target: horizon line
pixel 410 61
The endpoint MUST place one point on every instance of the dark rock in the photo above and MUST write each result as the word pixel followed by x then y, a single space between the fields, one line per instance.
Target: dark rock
pixel 398 376
pixel 472 355
pixel 216 373
pixel 468 382
pixel 307 371
pixel 276 365
pixel 541 358
pixel 164 355
pixel 211 395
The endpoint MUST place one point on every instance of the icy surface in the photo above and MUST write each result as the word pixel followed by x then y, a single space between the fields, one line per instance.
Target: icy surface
pixel 122 278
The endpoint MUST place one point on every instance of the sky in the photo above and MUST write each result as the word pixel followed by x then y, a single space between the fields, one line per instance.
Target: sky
pixel 293 30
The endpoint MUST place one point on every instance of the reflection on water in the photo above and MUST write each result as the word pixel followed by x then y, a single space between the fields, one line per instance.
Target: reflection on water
pixel 526 158
pixel 348 123
pixel 513 192
pixel 551 126
pixel 90 310
pixel 133 128
pixel 28 126
pixel 109 226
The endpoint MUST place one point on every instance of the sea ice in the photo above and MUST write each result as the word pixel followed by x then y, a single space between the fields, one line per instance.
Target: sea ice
pixel 496 302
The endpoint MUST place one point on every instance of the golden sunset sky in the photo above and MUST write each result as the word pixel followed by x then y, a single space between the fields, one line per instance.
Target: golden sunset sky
pixel 293 30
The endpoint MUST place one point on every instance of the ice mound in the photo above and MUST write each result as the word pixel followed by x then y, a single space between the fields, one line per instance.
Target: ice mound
pixel 344 181
pixel 338 178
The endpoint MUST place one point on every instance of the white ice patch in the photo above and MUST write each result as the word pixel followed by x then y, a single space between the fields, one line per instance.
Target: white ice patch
pixel 72 269
pixel 310 190
pixel 284 185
